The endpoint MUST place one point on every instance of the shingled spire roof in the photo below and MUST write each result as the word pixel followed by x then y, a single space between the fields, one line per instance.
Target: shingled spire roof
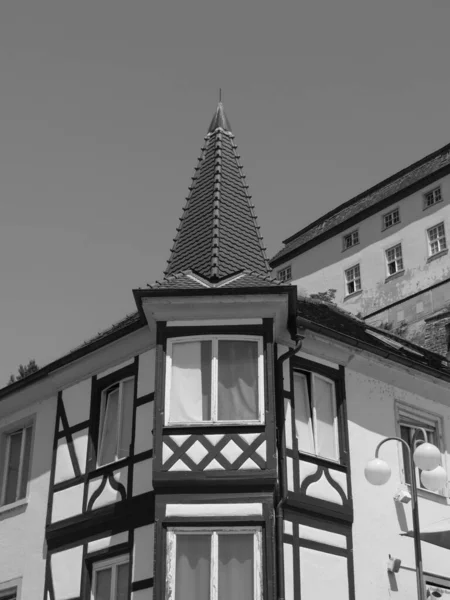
pixel 218 235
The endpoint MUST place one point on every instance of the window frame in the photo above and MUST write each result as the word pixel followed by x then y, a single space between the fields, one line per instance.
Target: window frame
pixel 346 282
pixel 214 370
pixel 6 443
pixel 103 395
pixel 114 562
pixel 171 549
pixel 389 214
pixel 433 191
pixel 395 261
pixel 280 273
pixel 430 253
pixel 408 415
pixel 350 236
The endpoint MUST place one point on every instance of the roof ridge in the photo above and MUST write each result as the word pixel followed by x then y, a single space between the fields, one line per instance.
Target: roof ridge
pixel 216 204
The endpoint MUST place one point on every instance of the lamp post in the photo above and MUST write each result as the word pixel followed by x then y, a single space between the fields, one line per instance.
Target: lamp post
pixel 426 457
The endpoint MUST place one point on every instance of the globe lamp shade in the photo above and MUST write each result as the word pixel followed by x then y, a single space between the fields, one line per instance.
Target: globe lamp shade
pixel 427 457
pixel 377 471
pixel 434 480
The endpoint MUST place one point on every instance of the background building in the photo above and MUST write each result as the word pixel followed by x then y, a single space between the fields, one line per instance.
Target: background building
pixel 212 445
pixel 385 252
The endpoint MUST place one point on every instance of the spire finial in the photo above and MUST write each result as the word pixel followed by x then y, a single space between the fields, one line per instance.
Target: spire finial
pixel 220 94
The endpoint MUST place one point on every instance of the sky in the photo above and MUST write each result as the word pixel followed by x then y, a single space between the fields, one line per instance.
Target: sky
pixel 104 105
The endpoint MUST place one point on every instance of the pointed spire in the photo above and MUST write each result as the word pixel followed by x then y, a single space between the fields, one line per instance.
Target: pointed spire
pixel 218 235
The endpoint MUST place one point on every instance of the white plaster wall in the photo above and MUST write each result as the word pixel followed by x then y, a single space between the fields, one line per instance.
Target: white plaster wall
pixel 378 520
pixel 22 546
pixel 323 266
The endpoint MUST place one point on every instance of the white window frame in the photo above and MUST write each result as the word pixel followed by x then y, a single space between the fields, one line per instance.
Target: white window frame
pixel 438 239
pixel 313 413
pixel 285 274
pixel 101 423
pixel 108 563
pixel 431 195
pixel 392 215
pixel 171 554
pixel 397 261
pixel 406 414
pixel 214 379
pixel 352 238
pixel 7 445
pixel 354 280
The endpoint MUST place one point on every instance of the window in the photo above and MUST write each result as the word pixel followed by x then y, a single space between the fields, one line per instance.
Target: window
pixel 436 239
pixel 16 469
pixel 10 594
pixel 351 239
pixel 214 564
pixel 409 420
pixel 116 417
pixel 110 579
pixel 315 414
pixel 285 274
pixel 432 197
pixel 391 218
pixel 394 260
pixel 437 587
pixel 214 379
pixel 352 280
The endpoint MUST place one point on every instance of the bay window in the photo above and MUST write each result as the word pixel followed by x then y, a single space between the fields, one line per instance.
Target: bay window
pixel 213 563
pixel 214 379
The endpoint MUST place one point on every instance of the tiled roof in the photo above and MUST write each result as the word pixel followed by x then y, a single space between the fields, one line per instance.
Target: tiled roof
pixel 218 235
pixel 190 280
pixel 375 195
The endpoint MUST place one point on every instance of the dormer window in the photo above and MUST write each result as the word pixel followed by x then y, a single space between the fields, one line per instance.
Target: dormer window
pixel 215 379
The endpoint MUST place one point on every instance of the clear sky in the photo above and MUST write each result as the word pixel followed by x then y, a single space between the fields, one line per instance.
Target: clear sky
pixel 103 109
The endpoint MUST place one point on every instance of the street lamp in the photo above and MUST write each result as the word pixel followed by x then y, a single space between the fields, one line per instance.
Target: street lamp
pixel 427 458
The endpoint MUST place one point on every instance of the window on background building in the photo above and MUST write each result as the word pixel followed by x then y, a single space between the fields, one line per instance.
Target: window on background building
pixel 215 379
pixel 10 594
pixel 432 197
pixel 16 466
pixel 394 260
pixel 436 239
pixel 116 416
pixel 110 579
pixel 214 564
pixel 352 280
pixel 315 412
pixel 285 274
pixel 437 587
pixel 391 218
pixel 351 239
pixel 409 420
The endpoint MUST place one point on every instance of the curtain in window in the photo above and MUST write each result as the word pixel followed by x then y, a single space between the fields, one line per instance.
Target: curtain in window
pixel 127 418
pixel 12 476
pixel 190 387
pixel 109 427
pixel 192 579
pixel 323 394
pixel 236 567
pixel 302 411
pixel 103 584
pixel 238 381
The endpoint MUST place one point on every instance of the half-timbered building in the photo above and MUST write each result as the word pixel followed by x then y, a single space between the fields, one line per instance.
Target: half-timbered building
pixel 211 446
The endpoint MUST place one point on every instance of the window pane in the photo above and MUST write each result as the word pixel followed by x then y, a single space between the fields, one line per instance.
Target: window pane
pixel 192 578
pixel 122 586
pixel 303 422
pixel 127 418
pixel 103 584
pixel 236 567
pixel 190 387
pixel 12 476
pixel 109 427
pixel 326 442
pixel 26 463
pixel 238 381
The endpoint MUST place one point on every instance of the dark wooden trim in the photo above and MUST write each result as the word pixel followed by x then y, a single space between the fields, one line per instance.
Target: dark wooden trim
pixel 317 460
pixel 110 552
pixel 116 376
pixel 65 425
pixel 143 584
pixel 190 331
pixel 316 506
pixel 53 465
pixel 296 562
pixel 48 588
pixel 85 586
pixel 244 480
pixel 270 394
pixel 345 434
pixel 145 399
pixel 64 485
pixel 91 453
pixel 135 512
pixel 212 428
pixel 304 364
pixel 74 429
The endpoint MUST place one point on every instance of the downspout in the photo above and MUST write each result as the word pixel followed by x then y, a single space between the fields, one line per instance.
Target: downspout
pixel 282 466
